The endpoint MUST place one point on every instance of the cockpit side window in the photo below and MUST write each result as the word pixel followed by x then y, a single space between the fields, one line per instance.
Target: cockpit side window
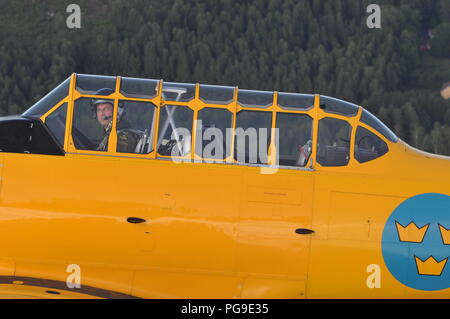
pixel 252 137
pixel 50 100
pixel 91 123
pixel 175 130
pixel 294 139
pixel 333 147
pixel 213 141
pixel 371 120
pixel 56 123
pixel 368 146
pixel 135 127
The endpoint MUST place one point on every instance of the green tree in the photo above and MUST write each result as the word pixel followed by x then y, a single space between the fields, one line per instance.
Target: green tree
pixel 440 44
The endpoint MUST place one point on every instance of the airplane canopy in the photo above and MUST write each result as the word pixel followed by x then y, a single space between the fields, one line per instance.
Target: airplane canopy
pixel 181 103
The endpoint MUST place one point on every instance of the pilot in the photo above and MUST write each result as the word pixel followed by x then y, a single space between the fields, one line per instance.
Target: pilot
pixel 103 110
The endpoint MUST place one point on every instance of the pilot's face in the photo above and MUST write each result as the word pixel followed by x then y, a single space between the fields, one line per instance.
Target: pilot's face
pixel 104 114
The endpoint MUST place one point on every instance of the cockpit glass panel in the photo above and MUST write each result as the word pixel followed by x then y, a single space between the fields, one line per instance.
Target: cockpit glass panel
pixel 139 88
pixel 216 94
pixel 336 106
pixel 135 126
pixel 56 123
pixel 90 84
pixel 179 92
pixel 368 146
pixel 294 139
pixel 213 134
pixel 333 148
pixel 252 137
pixel 294 101
pixel 92 124
pixel 175 130
pixel 369 119
pixel 50 100
pixel 251 98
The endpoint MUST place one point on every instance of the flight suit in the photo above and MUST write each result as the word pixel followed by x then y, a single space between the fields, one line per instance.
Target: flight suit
pixel 127 140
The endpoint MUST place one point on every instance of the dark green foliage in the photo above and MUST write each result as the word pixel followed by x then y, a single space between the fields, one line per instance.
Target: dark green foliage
pixel 440 44
pixel 291 45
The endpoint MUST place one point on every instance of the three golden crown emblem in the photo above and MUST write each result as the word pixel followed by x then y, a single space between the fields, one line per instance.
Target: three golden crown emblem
pixel 411 233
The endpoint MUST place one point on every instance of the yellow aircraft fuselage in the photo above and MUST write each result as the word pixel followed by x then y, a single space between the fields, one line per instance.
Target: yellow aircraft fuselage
pixel 132 225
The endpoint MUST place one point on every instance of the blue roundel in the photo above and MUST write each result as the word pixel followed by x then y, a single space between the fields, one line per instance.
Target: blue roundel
pixel 416 242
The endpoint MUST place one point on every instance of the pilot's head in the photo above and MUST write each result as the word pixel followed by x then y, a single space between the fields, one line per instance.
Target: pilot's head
pixel 104 112
pixel 103 108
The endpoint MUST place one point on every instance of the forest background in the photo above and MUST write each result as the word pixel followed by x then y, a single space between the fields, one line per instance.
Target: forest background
pixel 306 46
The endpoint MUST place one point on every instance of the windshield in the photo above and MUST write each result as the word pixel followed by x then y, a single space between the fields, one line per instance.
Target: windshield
pixel 50 100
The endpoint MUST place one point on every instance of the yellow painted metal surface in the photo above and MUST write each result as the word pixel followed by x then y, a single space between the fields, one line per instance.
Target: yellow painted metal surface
pixel 211 230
